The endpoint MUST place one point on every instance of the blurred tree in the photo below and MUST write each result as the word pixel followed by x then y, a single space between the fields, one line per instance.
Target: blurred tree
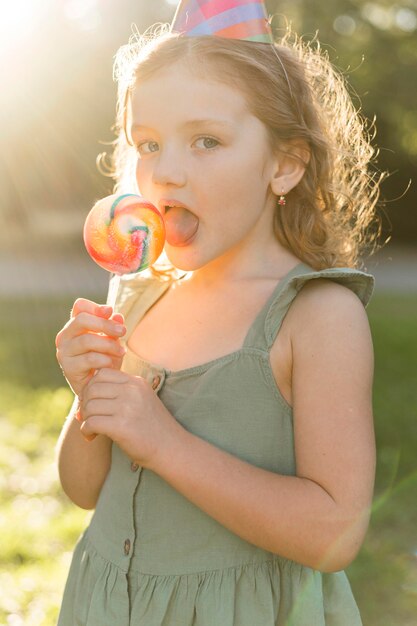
pixel 374 44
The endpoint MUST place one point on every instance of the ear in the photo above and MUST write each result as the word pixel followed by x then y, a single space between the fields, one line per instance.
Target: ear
pixel 290 165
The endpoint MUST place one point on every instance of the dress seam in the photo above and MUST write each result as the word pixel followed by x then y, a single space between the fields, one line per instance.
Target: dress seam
pixel 131 570
pixel 277 559
pixel 198 369
pixel 122 568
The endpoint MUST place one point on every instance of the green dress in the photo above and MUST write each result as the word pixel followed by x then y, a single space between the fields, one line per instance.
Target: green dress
pixel 150 557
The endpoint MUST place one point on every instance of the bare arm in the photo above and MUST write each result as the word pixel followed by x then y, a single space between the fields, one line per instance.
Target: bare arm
pixel 82 465
pixel 88 342
pixel 320 516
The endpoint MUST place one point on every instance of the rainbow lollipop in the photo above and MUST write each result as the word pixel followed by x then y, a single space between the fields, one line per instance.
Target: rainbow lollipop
pixel 124 234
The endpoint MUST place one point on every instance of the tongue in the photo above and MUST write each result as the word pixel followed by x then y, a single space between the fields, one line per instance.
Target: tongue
pixel 180 226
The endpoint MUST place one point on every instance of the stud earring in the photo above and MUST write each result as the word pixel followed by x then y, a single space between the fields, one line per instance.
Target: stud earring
pixel 282 201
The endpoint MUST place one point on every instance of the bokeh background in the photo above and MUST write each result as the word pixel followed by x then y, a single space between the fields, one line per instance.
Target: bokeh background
pixel 57 106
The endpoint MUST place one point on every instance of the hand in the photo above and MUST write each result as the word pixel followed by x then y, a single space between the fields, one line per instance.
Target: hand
pixel 126 409
pixel 88 342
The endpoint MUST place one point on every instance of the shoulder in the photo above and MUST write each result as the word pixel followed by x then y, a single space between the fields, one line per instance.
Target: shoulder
pixel 325 327
pixel 330 337
pixel 326 309
pixel 321 294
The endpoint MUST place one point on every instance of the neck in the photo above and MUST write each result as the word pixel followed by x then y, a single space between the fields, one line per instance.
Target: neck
pixel 268 262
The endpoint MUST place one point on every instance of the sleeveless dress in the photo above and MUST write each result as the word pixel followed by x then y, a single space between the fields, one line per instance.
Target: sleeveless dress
pixel 150 557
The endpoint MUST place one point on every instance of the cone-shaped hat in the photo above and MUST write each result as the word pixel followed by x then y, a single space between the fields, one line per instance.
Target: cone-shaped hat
pixel 233 19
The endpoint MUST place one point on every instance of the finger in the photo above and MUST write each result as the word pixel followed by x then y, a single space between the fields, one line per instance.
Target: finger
pixel 97 406
pixel 89 437
pixel 91 342
pixel 108 375
pixel 85 322
pixel 96 425
pixel 88 323
pixel 118 317
pixel 82 305
pixel 105 391
pixel 86 364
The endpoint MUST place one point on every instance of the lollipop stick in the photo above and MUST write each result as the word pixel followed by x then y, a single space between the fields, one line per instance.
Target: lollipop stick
pixel 113 290
pixel 111 301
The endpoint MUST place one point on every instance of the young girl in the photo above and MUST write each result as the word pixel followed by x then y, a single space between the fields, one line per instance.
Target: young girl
pixel 229 395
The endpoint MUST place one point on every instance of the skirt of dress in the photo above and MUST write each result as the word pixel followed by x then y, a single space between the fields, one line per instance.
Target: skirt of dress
pixel 276 592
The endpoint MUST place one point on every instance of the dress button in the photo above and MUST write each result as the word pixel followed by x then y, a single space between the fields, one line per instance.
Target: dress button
pixel 126 547
pixel 156 381
pixel 134 466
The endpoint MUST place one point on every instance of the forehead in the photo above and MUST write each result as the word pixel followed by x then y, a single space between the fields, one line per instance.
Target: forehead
pixel 179 92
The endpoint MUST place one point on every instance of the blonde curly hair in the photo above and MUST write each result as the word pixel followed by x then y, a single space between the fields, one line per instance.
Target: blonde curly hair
pixel 330 218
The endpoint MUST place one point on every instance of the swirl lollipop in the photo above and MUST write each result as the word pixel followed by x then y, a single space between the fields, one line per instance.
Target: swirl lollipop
pixel 124 235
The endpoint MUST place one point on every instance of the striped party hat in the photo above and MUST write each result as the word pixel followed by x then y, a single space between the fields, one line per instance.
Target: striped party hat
pixel 233 19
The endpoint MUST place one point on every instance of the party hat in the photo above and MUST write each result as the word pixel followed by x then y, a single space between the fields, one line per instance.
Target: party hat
pixel 233 19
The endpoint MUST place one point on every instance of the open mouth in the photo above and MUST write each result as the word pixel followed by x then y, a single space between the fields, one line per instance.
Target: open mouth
pixel 181 225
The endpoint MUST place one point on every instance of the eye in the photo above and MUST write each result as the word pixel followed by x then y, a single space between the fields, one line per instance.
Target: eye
pixel 147 147
pixel 206 143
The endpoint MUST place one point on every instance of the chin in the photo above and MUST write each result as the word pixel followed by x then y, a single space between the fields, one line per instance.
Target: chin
pixel 184 258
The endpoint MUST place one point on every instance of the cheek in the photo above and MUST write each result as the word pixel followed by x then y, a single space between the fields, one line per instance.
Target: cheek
pixel 236 192
pixel 143 175
pixel 139 168
pixel 223 181
pixel 138 172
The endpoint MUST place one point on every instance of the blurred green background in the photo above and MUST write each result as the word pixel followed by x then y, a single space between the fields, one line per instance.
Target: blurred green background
pixel 57 106
pixel 57 100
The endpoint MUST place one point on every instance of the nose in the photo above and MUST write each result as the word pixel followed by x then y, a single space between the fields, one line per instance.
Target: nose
pixel 169 168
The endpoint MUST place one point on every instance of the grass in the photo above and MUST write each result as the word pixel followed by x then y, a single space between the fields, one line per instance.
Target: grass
pixel 384 577
pixel 39 526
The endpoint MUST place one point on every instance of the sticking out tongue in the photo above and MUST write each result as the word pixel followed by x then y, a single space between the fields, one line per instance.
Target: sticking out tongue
pixel 180 226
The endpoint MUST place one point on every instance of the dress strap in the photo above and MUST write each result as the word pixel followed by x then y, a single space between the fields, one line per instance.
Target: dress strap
pixel 136 294
pixel 264 330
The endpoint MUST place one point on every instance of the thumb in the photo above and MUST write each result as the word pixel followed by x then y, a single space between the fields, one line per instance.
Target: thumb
pixel 87 431
pixel 89 437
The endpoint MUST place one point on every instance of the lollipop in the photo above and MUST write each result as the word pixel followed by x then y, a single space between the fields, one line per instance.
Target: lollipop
pixel 124 234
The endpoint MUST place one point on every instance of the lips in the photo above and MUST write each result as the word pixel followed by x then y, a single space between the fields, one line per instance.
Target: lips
pixel 165 204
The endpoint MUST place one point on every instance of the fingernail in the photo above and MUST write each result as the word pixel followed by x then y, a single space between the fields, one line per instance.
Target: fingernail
pixel 119 328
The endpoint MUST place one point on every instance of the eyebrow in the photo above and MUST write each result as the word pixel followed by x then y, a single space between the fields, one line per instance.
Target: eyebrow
pixel 191 124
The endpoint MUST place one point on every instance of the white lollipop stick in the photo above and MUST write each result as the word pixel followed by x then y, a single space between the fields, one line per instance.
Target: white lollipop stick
pixel 114 285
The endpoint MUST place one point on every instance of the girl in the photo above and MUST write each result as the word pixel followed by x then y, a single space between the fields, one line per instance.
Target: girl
pixel 233 470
